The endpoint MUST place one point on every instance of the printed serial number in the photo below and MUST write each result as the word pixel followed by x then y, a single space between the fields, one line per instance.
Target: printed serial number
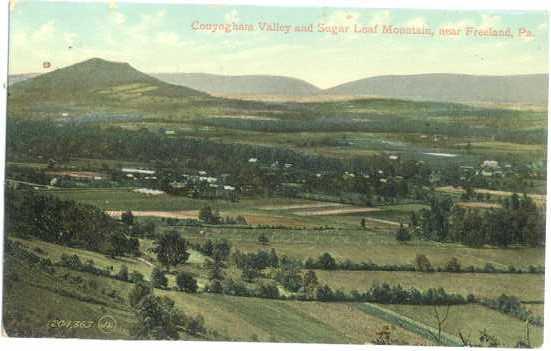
pixel 70 324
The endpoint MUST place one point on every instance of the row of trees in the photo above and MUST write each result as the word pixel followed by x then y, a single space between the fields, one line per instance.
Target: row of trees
pixel 511 305
pixel 313 290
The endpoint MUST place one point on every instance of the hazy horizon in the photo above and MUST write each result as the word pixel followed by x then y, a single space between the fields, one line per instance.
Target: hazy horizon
pixel 291 77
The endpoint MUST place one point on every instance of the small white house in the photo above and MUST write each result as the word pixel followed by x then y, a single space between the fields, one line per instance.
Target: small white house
pixel 490 164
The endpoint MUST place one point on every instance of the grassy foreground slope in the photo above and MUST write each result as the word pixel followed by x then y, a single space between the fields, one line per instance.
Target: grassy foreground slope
pixel 287 321
pixel 35 297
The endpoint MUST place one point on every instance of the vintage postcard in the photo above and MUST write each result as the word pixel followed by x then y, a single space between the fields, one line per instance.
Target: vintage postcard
pixel 262 173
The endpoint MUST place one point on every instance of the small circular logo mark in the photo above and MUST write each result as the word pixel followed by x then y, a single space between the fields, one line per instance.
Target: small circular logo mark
pixel 107 324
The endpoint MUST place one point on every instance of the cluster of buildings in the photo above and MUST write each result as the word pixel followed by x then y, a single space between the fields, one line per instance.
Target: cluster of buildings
pixel 139 173
pixel 204 185
pixel 488 168
pixel 200 184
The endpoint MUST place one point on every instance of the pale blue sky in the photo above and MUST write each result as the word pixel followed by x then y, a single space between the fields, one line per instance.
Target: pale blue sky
pixel 159 38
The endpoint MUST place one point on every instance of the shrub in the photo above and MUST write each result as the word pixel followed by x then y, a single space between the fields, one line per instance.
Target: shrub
pixel 290 278
pixel 269 291
pixel 453 265
pixel 215 287
pixel 196 325
pixel 158 278
pixel 71 261
pixel 403 234
pixel 263 239
pixel 324 293
pixel 123 273
pixel 326 261
pixel 236 288
pixel 489 268
pixel 186 282
pixel 423 264
pixel 157 318
pixel 136 277
pixel 137 294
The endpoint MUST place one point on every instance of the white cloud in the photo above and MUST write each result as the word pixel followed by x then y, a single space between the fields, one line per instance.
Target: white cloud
pixel 44 32
pixel 142 32
pixel 232 17
pixel 417 22
pixel 490 21
pixel 167 38
pixel 342 18
pixel 527 39
pixel 381 17
pixel 118 18
pixel 461 24
pixel 69 38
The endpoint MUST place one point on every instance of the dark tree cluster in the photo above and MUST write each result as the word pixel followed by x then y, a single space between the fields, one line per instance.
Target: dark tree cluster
pixel 256 262
pixel 157 317
pixel 171 249
pixel 216 249
pixel 518 222
pixel 69 223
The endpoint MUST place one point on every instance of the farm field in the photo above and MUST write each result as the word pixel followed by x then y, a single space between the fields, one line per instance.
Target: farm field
pixel 460 320
pixel 343 248
pixel 478 205
pixel 280 211
pixel 360 245
pixel 282 321
pixel 528 287
pixel 123 200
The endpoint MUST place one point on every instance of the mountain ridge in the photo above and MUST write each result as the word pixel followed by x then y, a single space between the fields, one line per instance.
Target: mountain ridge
pixel 96 74
pixel 451 87
pixel 241 84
